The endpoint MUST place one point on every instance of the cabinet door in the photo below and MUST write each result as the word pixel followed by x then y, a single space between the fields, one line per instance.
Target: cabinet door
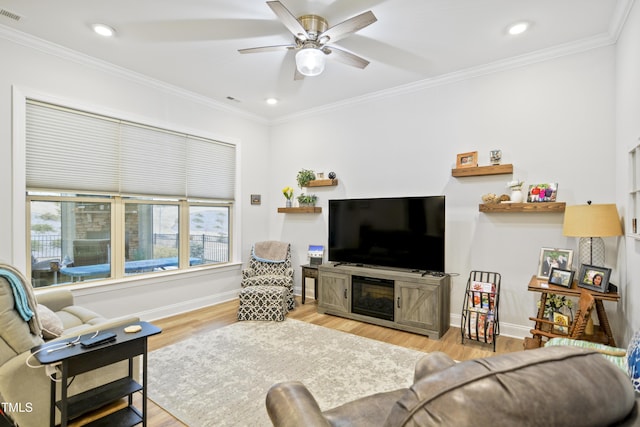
pixel 417 305
pixel 334 292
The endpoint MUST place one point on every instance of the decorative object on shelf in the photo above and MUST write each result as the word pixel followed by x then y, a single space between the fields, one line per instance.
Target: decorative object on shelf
pixel 332 175
pixel 554 304
pixel 561 277
pixel 504 198
pixel 467 160
pixel 319 175
pixel 490 198
pixel 307 199
pixel 542 192
pixel 304 176
pixel 594 278
pixel 495 156
pixel 288 194
pixel 553 258
pixel 516 190
pixel 590 223
pixel 633 360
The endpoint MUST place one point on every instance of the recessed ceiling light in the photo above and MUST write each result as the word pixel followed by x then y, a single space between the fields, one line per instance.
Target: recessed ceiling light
pixel 103 30
pixel 271 101
pixel 518 28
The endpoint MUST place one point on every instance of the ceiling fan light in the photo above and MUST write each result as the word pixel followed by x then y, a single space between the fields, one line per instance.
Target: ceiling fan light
pixel 310 61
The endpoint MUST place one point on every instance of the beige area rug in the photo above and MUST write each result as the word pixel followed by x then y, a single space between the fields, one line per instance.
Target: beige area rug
pixel 221 378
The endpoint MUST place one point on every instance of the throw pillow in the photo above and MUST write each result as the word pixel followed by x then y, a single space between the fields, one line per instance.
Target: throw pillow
pixel 51 324
pixel 633 360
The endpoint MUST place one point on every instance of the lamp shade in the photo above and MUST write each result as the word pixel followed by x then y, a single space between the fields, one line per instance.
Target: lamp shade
pixel 310 61
pixel 591 221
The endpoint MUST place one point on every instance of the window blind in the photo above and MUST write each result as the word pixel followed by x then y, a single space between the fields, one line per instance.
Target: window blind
pixel 72 150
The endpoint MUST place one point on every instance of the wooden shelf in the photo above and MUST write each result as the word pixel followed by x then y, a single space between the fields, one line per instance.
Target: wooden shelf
pixel 482 170
pixel 523 207
pixel 322 183
pixel 313 209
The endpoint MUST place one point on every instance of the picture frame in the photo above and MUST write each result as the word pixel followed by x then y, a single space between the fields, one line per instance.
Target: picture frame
pixel 594 278
pixel 540 193
pixel 561 323
pixel 467 160
pixel 553 257
pixel 561 277
pixel 256 199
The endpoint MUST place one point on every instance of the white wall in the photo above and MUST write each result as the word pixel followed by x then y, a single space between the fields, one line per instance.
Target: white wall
pixel 39 68
pixel 628 136
pixel 553 120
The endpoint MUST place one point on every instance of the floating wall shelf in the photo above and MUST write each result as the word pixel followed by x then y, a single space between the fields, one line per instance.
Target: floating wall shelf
pixel 482 170
pixel 322 183
pixel 311 209
pixel 523 207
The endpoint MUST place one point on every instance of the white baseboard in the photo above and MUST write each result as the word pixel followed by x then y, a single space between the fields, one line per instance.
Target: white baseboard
pixel 187 306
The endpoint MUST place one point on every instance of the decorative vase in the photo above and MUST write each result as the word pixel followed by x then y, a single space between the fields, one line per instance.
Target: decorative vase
pixel 516 196
pixel 289 203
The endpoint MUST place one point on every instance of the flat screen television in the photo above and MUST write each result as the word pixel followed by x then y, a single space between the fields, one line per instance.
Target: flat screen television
pixel 401 232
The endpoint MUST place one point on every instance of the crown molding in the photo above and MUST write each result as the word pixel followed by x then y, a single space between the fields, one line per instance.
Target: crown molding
pixel 62 52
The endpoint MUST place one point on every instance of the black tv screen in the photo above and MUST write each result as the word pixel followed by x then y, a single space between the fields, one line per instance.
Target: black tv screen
pixel 402 232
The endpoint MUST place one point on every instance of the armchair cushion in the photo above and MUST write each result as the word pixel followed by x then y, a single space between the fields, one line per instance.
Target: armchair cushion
pixel 52 326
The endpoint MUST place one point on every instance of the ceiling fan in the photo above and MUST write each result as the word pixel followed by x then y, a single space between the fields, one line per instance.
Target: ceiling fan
pixel 313 40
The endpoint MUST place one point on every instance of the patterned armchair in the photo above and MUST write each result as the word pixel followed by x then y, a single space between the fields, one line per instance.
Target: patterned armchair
pixel 267 269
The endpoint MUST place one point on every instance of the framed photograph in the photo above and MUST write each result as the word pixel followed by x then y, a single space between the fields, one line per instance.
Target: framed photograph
pixel 467 160
pixel 542 192
pixel 561 277
pixel 561 321
pixel 553 258
pixel 594 278
pixel 255 199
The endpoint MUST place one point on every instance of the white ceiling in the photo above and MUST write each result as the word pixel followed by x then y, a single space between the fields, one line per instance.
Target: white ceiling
pixel 193 44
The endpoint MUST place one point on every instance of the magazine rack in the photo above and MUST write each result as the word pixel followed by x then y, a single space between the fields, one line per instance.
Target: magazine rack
pixel 480 308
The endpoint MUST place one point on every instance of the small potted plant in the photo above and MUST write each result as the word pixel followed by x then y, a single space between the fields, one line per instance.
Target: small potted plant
pixel 307 200
pixel 288 194
pixel 304 176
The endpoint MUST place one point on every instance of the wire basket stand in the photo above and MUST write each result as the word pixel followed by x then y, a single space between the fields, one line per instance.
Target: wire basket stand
pixel 480 308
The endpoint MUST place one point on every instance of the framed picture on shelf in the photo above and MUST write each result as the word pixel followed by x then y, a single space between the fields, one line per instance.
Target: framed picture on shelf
pixel 553 258
pixel 467 160
pixel 594 278
pixel 561 277
pixel 542 192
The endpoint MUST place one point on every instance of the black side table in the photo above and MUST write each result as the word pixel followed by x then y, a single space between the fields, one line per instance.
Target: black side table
pixel 311 272
pixel 76 360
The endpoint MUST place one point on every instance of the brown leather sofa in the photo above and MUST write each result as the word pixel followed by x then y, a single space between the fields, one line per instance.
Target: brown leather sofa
pixel 553 386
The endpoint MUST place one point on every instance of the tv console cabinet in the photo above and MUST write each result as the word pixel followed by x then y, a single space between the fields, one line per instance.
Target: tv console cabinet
pixel 421 303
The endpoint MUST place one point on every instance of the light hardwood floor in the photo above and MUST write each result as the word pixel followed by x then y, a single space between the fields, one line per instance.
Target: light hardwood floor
pixel 177 328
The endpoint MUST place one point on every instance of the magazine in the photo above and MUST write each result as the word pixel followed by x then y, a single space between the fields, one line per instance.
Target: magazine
pixel 482 296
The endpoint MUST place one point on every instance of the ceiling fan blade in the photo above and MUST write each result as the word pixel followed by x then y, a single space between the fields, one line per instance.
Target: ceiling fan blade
pixel 345 57
pixel 289 20
pixel 267 48
pixel 348 27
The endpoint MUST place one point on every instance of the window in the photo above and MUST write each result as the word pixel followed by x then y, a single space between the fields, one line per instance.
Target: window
pixel 108 198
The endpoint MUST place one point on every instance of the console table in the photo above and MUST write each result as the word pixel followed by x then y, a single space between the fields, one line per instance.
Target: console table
pixel 76 360
pixel 536 285
pixel 420 302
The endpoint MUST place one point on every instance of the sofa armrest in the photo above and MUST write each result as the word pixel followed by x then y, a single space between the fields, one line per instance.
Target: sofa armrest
pixel 290 404
pixel 55 300
pixel 117 322
pixel 432 363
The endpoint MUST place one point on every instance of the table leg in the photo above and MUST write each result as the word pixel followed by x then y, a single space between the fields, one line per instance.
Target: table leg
pixel 604 322
pixel 304 284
